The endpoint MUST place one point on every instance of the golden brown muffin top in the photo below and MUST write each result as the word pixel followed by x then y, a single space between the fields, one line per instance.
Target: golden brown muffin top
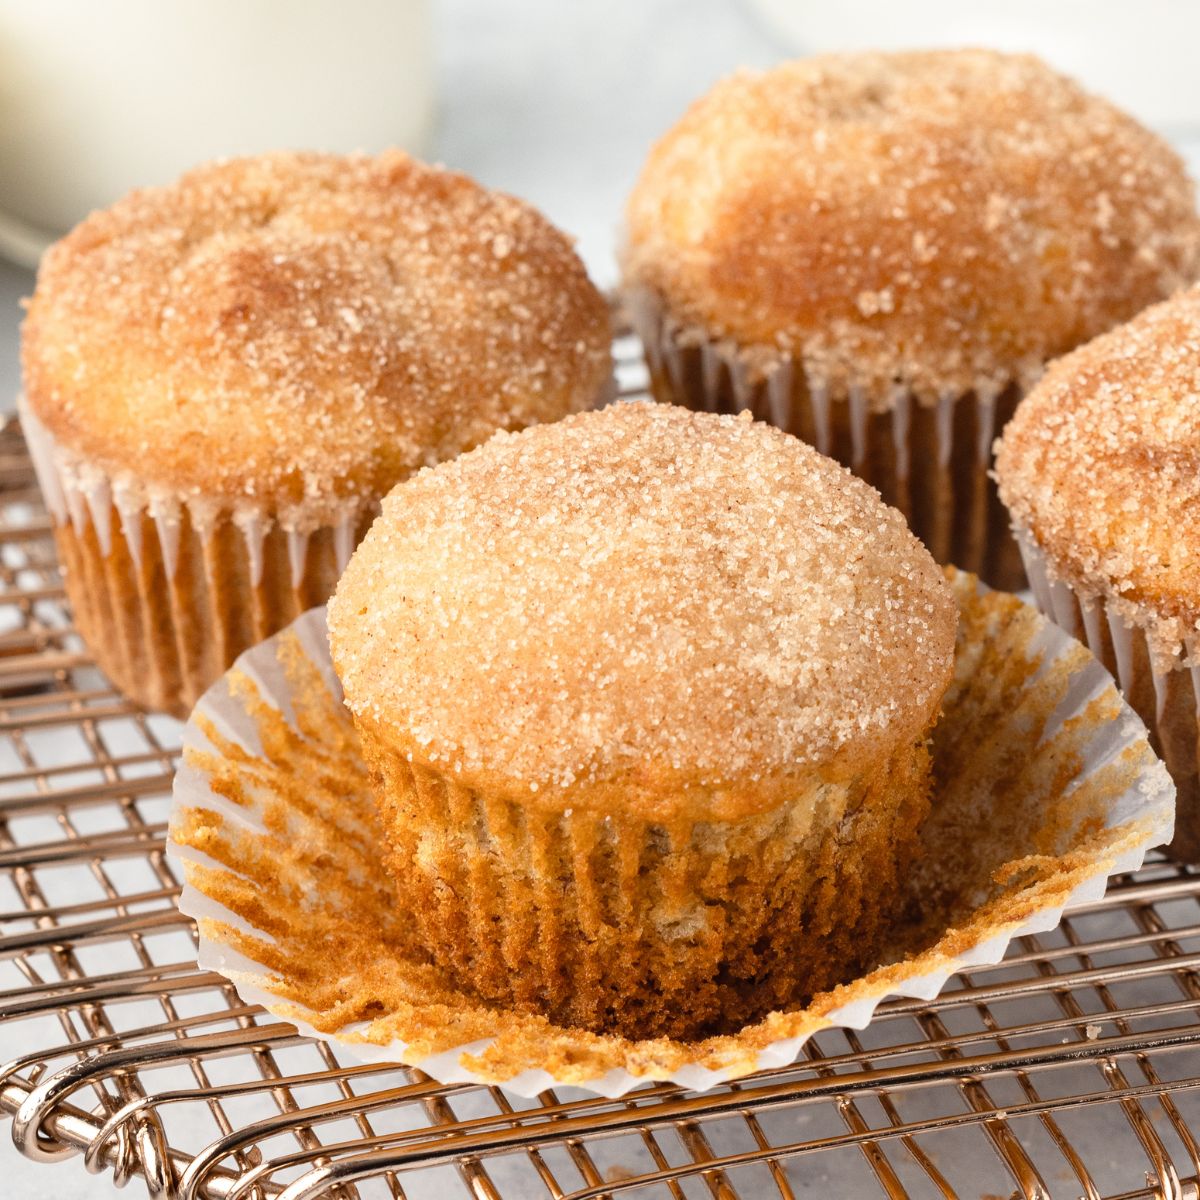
pixel 641 603
pixel 1101 464
pixel 300 330
pixel 945 221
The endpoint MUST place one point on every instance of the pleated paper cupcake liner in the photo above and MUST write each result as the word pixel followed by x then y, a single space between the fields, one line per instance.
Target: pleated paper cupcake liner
pixel 1166 697
pixel 1045 786
pixel 167 590
pixel 931 461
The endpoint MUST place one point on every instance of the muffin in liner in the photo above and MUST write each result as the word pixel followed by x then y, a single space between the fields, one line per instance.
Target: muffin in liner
pixel 928 458
pixel 224 375
pixel 1045 785
pixel 1100 471
pixel 1165 693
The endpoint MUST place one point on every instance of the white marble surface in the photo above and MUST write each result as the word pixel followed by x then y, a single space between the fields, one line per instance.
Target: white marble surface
pixel 556 102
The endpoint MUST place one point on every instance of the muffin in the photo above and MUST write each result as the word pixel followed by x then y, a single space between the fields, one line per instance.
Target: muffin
pixel 645 695
pixel 1100 469
pixel 223 377
pixel 880 253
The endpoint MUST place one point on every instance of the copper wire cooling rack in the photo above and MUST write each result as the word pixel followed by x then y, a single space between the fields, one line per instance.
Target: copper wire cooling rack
pixel 1072 1069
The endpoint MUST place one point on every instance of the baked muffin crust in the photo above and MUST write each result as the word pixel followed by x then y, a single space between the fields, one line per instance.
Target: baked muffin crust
pixel 638 606
pixel 1101 465
pixel 302 330
pixel 945 221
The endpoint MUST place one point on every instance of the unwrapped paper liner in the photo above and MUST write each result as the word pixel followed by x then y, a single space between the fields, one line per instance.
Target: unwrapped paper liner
pixel 1165 694
pixel 1046 785
pixel 930 460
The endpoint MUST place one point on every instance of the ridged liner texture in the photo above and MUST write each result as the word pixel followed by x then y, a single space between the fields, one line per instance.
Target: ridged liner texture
pixel 1044 785
pixel 627 926
pixel 168 590
pixel 931 461
pixel 1167 701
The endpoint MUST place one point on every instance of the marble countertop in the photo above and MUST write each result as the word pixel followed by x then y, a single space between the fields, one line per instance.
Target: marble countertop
pixel 554 102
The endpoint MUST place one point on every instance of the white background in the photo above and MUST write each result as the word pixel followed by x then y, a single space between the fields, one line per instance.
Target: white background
pixel 556 101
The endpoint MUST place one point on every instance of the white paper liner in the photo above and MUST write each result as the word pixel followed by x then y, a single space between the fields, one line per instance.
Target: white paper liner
pixel 1146 680
pixel 81 493
pixel 1141 810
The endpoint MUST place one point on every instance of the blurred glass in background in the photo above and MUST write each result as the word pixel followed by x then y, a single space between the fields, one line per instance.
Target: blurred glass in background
pixel 98 96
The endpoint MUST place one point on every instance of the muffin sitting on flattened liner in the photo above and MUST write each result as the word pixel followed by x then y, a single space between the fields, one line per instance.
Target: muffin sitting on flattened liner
pixel 1100 469
pixel 646 696
pixel 880 253
pixel 224 376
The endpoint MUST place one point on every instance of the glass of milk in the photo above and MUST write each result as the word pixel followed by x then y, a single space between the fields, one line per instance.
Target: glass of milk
pixel 99 98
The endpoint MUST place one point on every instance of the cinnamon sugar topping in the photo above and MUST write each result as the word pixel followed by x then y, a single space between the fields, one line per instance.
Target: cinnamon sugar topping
pixel 1101 465
pixel 947 220
pixel 301 330
pixel 640 594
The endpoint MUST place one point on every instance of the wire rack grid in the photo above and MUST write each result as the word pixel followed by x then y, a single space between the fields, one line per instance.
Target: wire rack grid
pixel 1070 1070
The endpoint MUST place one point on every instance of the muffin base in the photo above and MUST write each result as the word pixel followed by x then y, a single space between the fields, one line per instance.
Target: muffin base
pixel 616 926
pixel 1168 702
pixel 931 461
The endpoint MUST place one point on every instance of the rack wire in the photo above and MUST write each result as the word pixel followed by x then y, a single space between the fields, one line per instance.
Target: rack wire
pixel 1071 1069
